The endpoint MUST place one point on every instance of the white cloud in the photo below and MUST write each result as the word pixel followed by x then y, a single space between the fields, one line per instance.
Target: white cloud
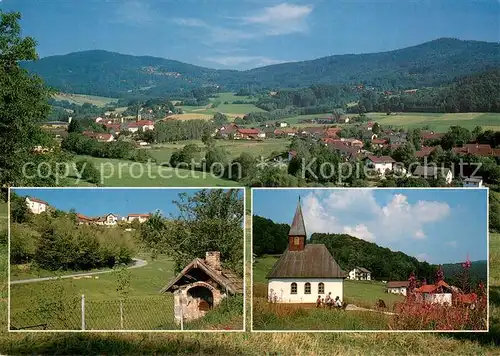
pixel 360 231
pixel 358 213
pixel 420 235
pixel 281 19
pixel 213 34
pixel 243 61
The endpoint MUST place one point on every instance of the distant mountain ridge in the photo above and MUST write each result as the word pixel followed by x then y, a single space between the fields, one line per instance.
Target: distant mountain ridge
pixel 104 73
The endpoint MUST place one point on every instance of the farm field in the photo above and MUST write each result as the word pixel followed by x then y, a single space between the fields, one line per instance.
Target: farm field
pixel 438 122
pixel 81 99
pixel 122 173
pixel 162 152
pixel 230 110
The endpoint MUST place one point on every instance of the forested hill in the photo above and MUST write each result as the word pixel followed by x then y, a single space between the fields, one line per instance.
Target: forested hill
pixel 272 238
pixel 112 74
pixel 349 252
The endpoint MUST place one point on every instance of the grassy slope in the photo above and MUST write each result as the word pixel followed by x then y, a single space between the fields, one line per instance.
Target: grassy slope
pixel 438 121
pixel 122 174
pixel 260 343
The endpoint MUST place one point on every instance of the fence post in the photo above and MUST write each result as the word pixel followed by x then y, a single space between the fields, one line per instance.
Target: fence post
pixel 83 311
pixel 182 317
pixel 121 314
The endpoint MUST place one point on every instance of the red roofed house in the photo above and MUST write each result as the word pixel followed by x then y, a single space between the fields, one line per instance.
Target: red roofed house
pixel 431 135
pixel 424 151
pixel 36 206
pixel 380 164
pixel 84 220
pixel 101 137
pixel 484 150
pixel 439 293
pixel 332 132
pixel 378 142
pixel 143 125
pixel 247 134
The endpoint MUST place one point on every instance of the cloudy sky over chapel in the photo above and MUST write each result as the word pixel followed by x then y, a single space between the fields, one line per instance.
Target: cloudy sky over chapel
pixel 242 34
pixel 437 226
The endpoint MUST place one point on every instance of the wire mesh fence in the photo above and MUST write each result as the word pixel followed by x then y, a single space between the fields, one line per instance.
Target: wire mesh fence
pixel 144 313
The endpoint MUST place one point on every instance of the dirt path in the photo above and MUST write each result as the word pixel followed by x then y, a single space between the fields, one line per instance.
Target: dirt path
pixel 356 308
pixel 137 263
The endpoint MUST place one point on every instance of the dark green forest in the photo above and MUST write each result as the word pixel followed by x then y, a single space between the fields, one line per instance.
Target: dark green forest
pixel 111 74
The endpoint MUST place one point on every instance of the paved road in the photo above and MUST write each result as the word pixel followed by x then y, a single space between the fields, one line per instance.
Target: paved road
pixel 137 263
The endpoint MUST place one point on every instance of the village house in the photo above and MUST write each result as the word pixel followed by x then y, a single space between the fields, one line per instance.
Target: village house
pixel 137 217
pixel 140 125
pixel 107 220
pixel 312 131
pixel 360 274
pixel 470 182
pixel 54 125
pixel 85 220
pixel 434 172
pixel 378 142
pixel 332 132
pixel 397 139
pixel 281 124
pixel 353 142
pixel 439 293
pixel 304 270
pixel 226 131
pixel 99 136
pixel 285 132
pixel 483 150
pixel 431 135
pixel 36 206
pixel 424 151
pixel 369 126
pixel 349 153
pixel 397 287
pixel 248 134
pixel 380 163
pixel 201 286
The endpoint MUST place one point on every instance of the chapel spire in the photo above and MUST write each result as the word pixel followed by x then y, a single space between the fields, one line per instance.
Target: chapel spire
pixel 297 234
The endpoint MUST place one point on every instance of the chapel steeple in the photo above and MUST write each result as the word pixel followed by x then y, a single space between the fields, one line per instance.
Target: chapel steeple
pixel 297 234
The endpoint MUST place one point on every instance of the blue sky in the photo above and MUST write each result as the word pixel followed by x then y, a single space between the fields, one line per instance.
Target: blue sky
pixel 242 34
pixel 97 202
pixel 436 225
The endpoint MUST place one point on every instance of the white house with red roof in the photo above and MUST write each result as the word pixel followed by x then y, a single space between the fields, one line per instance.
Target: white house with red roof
pixel 248 134
pixel 36 206
pixel 380 163
pixel 140 125
pixel 99 136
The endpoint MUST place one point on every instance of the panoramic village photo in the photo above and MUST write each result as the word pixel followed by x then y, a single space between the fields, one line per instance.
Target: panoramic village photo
pixel 126 259
pixel 369 259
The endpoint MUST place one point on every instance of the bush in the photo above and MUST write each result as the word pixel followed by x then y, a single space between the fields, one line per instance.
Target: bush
pixel 88 171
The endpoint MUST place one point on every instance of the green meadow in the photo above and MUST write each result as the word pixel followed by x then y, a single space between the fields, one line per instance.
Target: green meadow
pixel 439 122
pixel 162 152
pixel 123 173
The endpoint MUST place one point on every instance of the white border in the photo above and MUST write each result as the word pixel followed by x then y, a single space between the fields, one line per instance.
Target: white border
pixel 380 331
pixel 128 331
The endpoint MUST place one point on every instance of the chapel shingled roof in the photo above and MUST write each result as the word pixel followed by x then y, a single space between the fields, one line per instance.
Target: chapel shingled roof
pixel 298 227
